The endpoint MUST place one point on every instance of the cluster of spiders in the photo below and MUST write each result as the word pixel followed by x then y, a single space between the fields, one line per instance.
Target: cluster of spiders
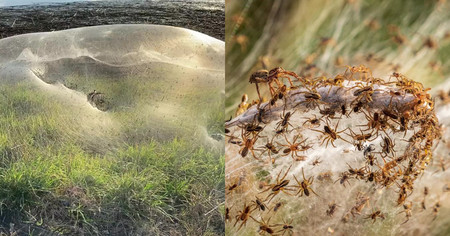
pixel 392 124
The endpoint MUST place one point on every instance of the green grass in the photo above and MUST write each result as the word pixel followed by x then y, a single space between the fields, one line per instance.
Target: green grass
pixel 51 180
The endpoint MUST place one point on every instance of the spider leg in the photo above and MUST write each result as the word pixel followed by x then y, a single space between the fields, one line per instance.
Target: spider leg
pixel 272 90
pixel 284 191
pixel 270 187
pixel 343 139
pixel 314 192
pixel 273 195
pixel 286 172
pixel 290 81
pixel 285 137
pixel 259 95
pixel 328 140
pixel 292 155
pixel 278 176
pixel 253 153
pixel 287 154
pixel 244 222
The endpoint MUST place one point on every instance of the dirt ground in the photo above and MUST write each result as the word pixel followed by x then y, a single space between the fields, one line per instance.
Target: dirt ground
pixel 205 17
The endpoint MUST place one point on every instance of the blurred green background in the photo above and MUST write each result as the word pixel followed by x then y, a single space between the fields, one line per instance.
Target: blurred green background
pixel 321 37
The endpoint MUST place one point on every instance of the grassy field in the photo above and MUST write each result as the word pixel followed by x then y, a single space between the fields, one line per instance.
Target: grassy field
pixel 61 172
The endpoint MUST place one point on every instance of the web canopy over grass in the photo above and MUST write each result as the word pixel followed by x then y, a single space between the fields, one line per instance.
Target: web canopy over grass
pixel 112 130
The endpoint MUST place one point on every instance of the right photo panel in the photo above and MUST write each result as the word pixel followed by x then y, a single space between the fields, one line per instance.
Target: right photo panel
pixel 337 117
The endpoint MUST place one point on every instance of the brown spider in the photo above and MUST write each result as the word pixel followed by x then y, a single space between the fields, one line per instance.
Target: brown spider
pixel 361 138
pixel 251 128
pixel 316 162
pixel 314 122
pixel 304 186
pixel 243 216
pixel 281 185
pixel 248 145
pixel 331 135
pixel 263 76
pixel 374 216
pixel 358 173
pixel 264 227
pixel 436 207
pixel 293 148
pixel 270 148
pixel 388 146
pixel 407 210
pixel 286 227
pixel 279 72
pixel 232 187
pixel 280 94
pixel 363 93
pixel 358 69
pixel 361 201
pixel 284 123
pixel 259 204
pixel 277 206
pixel 332 208
pixel 312 98
pixel 376 123
pixel 343 177
pixel 329 112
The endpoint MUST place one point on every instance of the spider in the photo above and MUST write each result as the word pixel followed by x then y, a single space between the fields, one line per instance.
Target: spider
pixel 232 187
pixel 314 122
pixel 284 123
pixel 243 216
pixel 280 94
pixel 358 173
pixel 312 98
pixel 316 162
pixel 248 145
pixel 281 185
pixel 374 216
pixel 332 208
pixel 270 148
pixel 343 177
pixel 251 128
pixel 304 186
pixel 259 204
pixel 264 227
pixel 363 93
pixel 436 207
pixel 388 146
pixel 361 201
pixel 358 69
pixel 293 148
pixel 279 72
pixel 286 227
pixel 407 210
pixel 361 138
pixel 263 76
pixel 376 123
pixel 331 135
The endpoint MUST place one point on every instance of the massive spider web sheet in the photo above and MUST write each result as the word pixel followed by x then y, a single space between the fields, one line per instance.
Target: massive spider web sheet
pixel 150 80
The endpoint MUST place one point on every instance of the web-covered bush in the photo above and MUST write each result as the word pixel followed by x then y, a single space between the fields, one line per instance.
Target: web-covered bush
pixel 329 153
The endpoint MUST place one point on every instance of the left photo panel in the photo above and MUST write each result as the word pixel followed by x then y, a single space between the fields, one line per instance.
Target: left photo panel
pixel 112 117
